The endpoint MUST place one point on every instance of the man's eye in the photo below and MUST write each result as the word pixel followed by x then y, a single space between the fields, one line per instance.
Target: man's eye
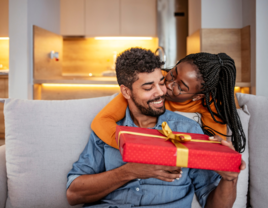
pixel 162 83
pixel 147 89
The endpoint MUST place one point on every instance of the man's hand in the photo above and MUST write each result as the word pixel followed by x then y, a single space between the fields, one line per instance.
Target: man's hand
pixel 229 176
pixel 144 171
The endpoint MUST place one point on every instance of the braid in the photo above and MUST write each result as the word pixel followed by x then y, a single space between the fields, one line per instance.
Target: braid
pixel 219 75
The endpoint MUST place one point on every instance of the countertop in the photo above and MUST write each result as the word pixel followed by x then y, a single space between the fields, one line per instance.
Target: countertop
pixel 101 80
pixel 4 72
pixel 78 80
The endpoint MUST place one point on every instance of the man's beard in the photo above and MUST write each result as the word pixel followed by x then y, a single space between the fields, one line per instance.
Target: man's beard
pixel 149 111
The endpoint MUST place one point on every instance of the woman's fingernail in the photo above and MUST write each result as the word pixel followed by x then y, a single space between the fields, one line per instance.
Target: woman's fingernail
pixel 177 178
pixel 181 172
pixel 212 138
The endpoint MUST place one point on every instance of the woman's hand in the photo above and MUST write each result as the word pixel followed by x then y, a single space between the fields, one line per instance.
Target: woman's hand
pixel 228 176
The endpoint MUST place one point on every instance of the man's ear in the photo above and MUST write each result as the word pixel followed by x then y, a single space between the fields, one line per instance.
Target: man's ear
pixel 126 92
pixel 198 97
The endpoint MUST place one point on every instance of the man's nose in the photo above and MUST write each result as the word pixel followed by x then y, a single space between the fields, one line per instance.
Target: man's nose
pixel 161 90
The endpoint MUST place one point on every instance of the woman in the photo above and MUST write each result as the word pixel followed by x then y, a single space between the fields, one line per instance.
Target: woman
pixel 202 83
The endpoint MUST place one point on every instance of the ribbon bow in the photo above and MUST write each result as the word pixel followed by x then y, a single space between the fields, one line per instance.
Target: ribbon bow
pixel 173 137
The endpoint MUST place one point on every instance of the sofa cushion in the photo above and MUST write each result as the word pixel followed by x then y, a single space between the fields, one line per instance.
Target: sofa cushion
pixel 3 177
pixel 258 145
pixel 43 140
pixel 242 184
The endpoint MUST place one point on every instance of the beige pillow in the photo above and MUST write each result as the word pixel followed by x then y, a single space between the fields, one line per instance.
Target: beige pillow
pixel 43 140
pixel 242 185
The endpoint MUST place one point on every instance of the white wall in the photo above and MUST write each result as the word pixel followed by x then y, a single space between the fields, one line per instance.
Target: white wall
pixel 261 48
pixel 18 49
pixel 23 14
pixel 194 16
pixel 221 13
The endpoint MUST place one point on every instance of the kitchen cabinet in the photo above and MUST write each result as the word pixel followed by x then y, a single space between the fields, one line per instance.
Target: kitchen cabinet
pixel 72 17
pixel 108 18
pixel 102 18
pixel 3 94
pixel 138 18
pixel 4 18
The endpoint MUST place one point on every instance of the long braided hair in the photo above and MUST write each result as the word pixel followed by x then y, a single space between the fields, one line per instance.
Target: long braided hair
pixel 219 75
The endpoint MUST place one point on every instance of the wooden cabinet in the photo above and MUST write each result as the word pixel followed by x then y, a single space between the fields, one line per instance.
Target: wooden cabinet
pixel 72 17
pixel 102 18
pixel 138 18
pixel 4 18
pixel 3 94
pixel 108 18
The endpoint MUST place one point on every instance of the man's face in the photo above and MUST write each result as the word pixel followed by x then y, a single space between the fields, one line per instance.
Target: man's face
pixel 148 93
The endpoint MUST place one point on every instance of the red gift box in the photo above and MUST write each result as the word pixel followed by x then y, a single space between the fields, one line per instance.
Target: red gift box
pixel 139 145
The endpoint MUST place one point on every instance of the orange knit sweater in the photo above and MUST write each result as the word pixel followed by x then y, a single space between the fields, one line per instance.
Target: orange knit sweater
pixel 104 124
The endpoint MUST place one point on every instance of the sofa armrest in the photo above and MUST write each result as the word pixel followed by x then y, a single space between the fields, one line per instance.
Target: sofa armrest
pixel 3 177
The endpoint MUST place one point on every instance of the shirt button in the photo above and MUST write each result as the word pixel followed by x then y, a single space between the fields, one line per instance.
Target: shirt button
pixel 139 179
pixel 137 189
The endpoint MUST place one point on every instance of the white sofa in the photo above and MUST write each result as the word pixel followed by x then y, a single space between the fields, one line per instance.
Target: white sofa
pixel 44 139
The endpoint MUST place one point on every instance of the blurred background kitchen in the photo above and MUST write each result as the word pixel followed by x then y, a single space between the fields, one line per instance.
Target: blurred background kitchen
pixel 66 49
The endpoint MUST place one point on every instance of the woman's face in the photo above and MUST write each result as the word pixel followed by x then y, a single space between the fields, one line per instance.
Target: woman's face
pixel 182 83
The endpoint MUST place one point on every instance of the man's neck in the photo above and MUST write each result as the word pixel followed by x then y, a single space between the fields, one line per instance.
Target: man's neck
pixel 141 120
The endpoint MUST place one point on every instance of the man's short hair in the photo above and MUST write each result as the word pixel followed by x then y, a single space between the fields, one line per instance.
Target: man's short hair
pixel 134 61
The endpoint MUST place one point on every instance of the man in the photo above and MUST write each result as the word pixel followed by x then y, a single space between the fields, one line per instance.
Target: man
pixel 100 177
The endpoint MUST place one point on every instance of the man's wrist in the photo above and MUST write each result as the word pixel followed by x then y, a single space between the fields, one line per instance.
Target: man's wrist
pixel 230 179
pixel 125 173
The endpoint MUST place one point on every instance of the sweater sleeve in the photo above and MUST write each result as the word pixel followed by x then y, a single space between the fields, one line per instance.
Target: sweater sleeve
pixel 104 124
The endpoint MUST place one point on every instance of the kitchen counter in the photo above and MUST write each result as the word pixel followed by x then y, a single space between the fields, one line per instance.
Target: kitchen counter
pixel 4 72
pixel 79 80
pixel 102 80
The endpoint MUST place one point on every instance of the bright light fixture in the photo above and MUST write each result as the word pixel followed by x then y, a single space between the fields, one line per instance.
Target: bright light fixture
pixel 79 85
pixel 4 38
pixel 237 88
pixel 123 38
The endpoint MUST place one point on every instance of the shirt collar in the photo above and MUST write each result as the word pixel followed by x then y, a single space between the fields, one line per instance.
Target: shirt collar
pixel 129 122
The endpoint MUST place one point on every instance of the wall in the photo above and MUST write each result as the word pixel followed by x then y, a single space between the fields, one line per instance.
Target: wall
pixel 221 14
pixel 23 15
pixel 194 12
pixel 88 55
pixel 4 54
pixel 261 48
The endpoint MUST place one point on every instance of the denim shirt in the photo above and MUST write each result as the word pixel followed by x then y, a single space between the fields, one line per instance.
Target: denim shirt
pixel 99 157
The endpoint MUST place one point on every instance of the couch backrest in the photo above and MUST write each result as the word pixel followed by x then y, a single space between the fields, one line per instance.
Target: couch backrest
pixel 43 140
pixel 258 147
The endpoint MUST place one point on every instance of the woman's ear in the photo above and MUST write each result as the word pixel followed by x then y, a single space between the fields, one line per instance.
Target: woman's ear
pixel 126 92
pixel 198 97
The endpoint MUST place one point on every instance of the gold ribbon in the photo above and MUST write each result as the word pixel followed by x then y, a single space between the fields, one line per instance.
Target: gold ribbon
pixel 176 139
